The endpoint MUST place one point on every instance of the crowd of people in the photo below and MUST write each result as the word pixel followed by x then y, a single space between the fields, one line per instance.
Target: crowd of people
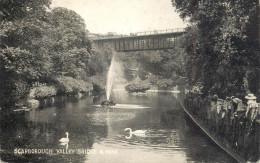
pixel 231 120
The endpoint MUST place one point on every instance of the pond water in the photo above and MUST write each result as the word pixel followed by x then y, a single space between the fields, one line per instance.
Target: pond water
pixel 98 134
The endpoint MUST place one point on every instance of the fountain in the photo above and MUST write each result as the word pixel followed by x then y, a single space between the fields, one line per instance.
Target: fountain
pixel 110 78
pixel 115 80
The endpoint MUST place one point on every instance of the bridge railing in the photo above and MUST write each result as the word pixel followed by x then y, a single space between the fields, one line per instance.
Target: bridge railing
pixel 159 32
pixel 155 32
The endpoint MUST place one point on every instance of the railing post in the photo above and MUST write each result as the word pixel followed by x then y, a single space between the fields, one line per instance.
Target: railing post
pixel 163 42
pixel 119 45
pixel 158 40
pixel 137 43
pixel 128 44
pixel 124 44
pixel 153 43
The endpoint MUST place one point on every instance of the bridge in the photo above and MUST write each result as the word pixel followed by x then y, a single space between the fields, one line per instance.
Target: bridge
pixel 148 40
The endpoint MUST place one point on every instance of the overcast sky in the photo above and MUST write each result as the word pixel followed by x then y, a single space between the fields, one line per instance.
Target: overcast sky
pixel 124 16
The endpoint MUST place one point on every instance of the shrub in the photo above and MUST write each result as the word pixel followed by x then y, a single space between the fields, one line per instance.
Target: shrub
pixel 164 83
pixel 161 83
pixel 44 91
pixel 71 85
pixel 99 82
pixel 137 86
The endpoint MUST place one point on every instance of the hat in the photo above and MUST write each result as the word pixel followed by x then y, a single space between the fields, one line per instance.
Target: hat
pixel 236 100
pixel 250 96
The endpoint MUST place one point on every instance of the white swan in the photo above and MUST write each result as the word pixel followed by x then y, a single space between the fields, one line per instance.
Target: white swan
pixel 136 132
pixel 65 140
pixel 140 133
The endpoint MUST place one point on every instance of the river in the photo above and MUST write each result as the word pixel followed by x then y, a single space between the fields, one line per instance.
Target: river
pixel 98 134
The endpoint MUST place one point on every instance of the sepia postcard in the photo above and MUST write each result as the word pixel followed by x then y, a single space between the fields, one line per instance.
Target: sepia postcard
pixel 129 81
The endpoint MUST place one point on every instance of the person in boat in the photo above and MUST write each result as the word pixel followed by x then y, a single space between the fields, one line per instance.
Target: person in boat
pixel 108 103
pixel 111 102
pixel 103 103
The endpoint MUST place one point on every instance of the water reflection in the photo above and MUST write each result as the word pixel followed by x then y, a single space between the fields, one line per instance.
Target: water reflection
pixel 170 136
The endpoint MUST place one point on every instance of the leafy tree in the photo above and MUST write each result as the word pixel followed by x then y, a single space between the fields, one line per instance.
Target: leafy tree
pixel 68 29
pixel 40 46
pixel 69 45
pixel 226 46
pixel 22 60
pixel 16 10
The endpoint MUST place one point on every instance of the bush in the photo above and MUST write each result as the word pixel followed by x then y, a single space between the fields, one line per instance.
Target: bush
pixel 99 82
pixel 71 85
pixel 164 83
pixel 161 83
pixel 44 91
pixel 138 86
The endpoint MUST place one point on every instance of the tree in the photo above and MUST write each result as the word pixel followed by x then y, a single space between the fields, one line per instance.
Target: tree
pixel 15 10
pixel 69 46
pixel 227 48
pixel 21 55
pixel 40 46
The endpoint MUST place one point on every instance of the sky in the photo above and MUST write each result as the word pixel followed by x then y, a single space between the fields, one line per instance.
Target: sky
pixel 124 16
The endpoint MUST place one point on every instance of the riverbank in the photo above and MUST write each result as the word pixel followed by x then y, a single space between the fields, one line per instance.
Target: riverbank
pixel 37 95
pixel 48 102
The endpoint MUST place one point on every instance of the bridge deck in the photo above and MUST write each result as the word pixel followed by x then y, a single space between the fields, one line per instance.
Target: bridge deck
pixel 141 41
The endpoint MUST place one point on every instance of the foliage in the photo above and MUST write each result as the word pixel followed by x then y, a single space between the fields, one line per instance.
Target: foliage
pixel 46 46
pixel 11 10
pixel 71 85
pixel 160 82
pixel 99 82
pixel 69 46
pixel 137 86
pixel 100 60
pixel 160 68
pixel 20 62
pixel 226 44
pixel 44 91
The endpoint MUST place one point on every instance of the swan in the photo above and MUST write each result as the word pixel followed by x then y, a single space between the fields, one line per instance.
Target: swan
pixel 65 140
pixel 136 132
pixel 140 133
